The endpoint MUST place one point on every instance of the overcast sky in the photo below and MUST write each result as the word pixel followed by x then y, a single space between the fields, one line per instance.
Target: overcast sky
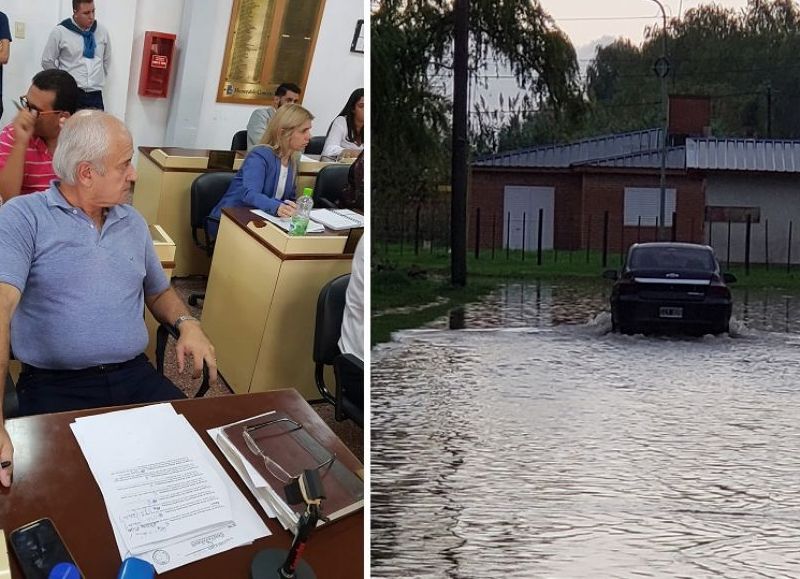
pixel 590 23
pixel 585 21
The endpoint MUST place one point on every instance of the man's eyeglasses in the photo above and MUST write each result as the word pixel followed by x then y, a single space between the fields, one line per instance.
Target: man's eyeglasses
pixel 23 101
pixel 273 467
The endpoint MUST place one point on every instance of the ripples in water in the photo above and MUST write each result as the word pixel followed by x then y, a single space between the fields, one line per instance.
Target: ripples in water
pixel 545 304
pixel 567 451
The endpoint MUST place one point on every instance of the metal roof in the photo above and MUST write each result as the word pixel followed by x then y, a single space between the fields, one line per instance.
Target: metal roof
pixel 676 159
pixel 583 152
pixel 743 155
pixel 641 150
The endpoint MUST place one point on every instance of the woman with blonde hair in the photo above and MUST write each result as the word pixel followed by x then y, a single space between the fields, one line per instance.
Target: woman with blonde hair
pixel 266 178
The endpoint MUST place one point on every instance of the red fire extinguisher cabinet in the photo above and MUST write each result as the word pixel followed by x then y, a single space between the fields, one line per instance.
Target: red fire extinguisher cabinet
pixel 157 59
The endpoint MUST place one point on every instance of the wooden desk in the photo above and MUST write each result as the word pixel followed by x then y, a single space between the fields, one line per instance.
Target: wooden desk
pixel 261 301
pixel 162 195
pixel 165 250
pixel 52 479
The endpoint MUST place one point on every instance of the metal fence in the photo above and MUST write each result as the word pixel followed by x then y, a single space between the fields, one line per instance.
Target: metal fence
pixel 603 237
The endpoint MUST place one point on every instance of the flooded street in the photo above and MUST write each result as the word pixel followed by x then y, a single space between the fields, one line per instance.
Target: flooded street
pixel 535 444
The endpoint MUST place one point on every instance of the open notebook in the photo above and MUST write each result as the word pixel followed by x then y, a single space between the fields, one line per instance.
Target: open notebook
pixel 338 219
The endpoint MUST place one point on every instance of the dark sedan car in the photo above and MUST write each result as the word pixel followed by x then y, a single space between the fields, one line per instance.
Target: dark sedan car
pixel 670 286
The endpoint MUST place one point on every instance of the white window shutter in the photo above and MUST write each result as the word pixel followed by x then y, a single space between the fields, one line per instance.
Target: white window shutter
pixel 644 202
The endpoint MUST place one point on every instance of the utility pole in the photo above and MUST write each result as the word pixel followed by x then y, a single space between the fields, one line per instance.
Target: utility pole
pixel 769 110
pixel 661 68
pixel 458 202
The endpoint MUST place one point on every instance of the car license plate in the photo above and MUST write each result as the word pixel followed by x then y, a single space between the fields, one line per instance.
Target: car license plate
pixel 675 313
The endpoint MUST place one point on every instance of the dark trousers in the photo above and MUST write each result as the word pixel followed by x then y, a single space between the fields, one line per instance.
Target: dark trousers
pixel 136 382
pixel 90 100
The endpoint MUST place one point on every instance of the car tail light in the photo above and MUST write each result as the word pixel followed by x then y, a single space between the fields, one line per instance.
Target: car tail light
pixel 718 291
pixel 627 285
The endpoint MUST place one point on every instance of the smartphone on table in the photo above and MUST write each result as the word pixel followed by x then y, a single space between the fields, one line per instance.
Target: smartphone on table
pixel 38 548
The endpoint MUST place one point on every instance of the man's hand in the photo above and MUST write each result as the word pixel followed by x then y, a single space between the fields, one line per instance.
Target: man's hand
pixel 24 123
pixel 287 208
pixel 6 455
pixel 193 341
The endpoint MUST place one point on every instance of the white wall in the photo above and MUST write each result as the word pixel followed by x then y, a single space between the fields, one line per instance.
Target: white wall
pixel 146 117
pixel 775 195
pixel 40 17
pixel 334 73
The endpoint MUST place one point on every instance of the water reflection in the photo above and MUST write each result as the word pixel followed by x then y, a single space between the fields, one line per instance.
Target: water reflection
pixel 537 446
pixel 544 304
pixel 456 319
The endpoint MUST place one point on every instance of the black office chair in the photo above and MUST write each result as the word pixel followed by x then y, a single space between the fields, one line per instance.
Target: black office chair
pixel 330 185
pixel 315 146
pixel 239 141
pixel 10 402
pixel 348 370
pixel 207 190
pixel 163 334
pixel 349 373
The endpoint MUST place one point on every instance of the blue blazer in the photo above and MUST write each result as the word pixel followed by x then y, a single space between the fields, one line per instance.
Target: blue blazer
pixel 254 185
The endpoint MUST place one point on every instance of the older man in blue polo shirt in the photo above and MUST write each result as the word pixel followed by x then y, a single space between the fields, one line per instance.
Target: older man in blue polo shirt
pixel 77 266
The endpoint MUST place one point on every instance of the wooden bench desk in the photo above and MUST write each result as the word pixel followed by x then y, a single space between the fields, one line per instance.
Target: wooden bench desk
pixel 52 479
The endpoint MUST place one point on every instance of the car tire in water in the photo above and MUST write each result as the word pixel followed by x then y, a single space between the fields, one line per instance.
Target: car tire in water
pixel 627 329
pixel 723 328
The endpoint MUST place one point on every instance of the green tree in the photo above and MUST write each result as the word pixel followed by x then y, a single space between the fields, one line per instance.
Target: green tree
pixel 745 60
pixel 731 56
pixel 411 54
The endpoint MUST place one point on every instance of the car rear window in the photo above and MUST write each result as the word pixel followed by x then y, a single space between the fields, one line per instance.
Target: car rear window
pixel 672 258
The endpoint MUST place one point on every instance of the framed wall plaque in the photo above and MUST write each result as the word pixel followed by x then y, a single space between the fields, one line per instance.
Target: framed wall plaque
pixel 269 42
pixel 358 38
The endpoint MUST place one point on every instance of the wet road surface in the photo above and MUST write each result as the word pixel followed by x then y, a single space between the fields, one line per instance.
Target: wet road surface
pixel 534 443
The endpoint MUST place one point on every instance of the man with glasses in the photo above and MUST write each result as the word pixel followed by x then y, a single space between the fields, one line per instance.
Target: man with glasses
pixel 82 47
pixel 28 143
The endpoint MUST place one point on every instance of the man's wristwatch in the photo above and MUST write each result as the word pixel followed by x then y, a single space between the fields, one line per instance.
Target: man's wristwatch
pixel 182 319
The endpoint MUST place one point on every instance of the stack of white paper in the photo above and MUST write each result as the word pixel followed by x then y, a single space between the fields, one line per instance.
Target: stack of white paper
pixel 169 501
pixel 270 501
pixel 283 222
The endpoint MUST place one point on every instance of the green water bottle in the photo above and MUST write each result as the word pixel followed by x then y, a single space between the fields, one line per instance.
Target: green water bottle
pixel 299 221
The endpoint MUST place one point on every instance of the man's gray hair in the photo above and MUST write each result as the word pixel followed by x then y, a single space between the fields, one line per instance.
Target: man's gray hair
pixel 85 136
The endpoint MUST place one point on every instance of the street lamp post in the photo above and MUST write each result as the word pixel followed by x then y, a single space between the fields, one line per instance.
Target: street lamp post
pixel 661 68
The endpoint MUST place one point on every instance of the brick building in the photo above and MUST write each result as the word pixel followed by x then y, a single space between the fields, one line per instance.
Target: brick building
pixel 712 185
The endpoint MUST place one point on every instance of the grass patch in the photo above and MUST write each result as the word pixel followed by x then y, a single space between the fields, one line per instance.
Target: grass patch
pixel 558 264
pixel 419 297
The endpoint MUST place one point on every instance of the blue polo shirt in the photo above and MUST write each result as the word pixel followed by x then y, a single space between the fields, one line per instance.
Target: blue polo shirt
pixel 82 290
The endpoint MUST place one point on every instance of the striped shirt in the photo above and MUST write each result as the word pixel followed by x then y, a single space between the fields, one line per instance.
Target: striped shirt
pixel 38 171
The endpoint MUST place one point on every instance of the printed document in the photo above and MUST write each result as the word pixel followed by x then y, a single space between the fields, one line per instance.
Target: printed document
pixel 169 500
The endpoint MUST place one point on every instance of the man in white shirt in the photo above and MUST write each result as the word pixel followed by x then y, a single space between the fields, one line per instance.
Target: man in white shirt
pixel 81 46
pixel 351 340
pixel 286 94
